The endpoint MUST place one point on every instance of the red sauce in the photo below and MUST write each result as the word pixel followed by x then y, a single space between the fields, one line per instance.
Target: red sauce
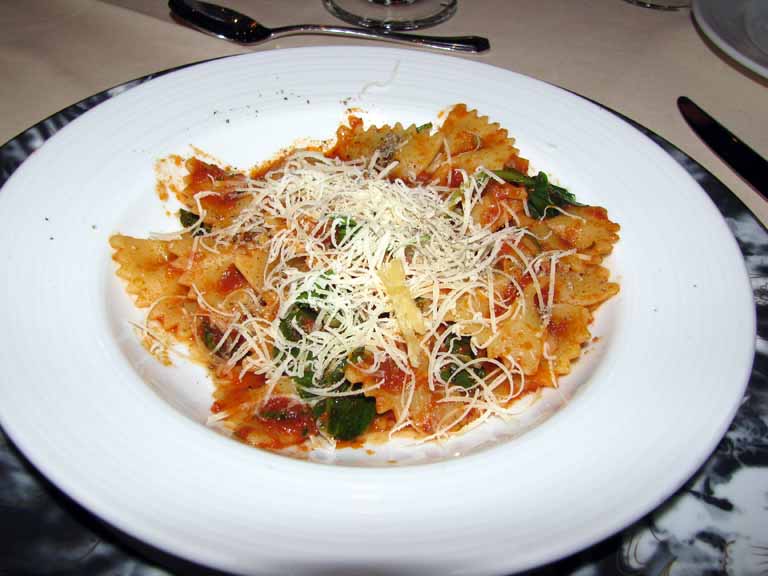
pixel 508 295
pixel 284 422
pixel 231 279
pixel 594 212
pixel 220 201
pixel 455 179
pixel 202 176
pixel 202 172
pixel 252 380
pixel 239 390
pixel 172 273
pixel 520 164
pixel 392 375
pixel 344 138
pixel 558 329
pixel 491 214
pixel 505 191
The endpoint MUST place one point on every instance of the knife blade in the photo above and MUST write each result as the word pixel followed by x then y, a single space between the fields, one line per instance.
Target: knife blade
pixel 741 158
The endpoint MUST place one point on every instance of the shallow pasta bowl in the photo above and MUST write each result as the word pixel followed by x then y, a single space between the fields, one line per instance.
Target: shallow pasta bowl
pixel 123 436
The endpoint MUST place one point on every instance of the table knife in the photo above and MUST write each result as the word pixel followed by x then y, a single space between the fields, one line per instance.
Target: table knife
pixel 741 158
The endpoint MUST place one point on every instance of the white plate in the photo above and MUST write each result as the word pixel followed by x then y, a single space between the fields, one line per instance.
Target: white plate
pixel 85 405
pixel 739 28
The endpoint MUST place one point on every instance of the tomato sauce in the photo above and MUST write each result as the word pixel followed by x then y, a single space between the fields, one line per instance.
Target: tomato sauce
pixel 455 179
pixel 232 394
pixel 344 137
pixel 393 378
pixel 202 173
pixel 231 279
pixel 283 421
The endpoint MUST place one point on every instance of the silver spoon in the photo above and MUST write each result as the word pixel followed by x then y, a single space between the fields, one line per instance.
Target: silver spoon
pixel 231 25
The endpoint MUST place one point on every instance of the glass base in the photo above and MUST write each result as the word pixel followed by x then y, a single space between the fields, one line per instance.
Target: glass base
pixel 661 4
pixel 392 14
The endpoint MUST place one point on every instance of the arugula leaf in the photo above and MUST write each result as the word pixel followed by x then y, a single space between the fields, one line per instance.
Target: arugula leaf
pixel 330 378
pixel 461 346
pixel 188 219
pixel 274 415
pixel 423 127
pixel 319 408
pixel 344 228
pixel 303 315
pixel 461 377
pixel 454 199
pixel 306 380
pixel 456 344
pixel 541 194
pixel 349 416
pixel 316 293
pixel 210 334
pixel 357 354
pixel 334 376
pixel 514 177
pixel 538 197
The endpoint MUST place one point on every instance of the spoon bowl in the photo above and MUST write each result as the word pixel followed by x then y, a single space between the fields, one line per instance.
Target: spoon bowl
pixel 231 25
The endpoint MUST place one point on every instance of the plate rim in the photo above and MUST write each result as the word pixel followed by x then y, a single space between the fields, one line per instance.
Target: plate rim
pixel 710 29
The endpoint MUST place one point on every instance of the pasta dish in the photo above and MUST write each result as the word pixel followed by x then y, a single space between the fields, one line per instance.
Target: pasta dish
pixel 401 281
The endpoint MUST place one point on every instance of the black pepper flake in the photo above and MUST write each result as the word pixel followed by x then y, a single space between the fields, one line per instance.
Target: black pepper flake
pixel 46 219
pixel 227 120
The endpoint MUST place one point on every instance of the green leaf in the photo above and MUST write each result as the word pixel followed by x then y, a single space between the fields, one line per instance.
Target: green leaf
pixel 319 408
pixel 541 193
pixel 318 292
pixel 349 416
pixel 306 380
pixel 274 415
pixel 462 377
pixel 423 127
pixel 344 228
pixel 357 355
pixel 461 346
pixel 188 219
pixel 300 314
pixel 514 177
pixel 561 196
pixel 456 344
pixel 538 196
pixel 454 199
pixel 211 336
pixel 330 378
pixel 335 375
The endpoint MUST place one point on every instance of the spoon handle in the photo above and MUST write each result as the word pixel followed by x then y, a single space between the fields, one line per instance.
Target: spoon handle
pixel 455 43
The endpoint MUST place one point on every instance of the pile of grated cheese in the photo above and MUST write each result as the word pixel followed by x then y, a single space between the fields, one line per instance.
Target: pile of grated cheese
pixel 384 265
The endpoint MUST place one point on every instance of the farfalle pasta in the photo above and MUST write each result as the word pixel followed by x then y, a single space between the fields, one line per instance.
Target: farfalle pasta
pixel 401 281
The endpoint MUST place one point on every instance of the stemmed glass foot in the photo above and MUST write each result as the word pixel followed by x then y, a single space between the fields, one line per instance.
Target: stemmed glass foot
pixel 661 4
pixel 392 14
